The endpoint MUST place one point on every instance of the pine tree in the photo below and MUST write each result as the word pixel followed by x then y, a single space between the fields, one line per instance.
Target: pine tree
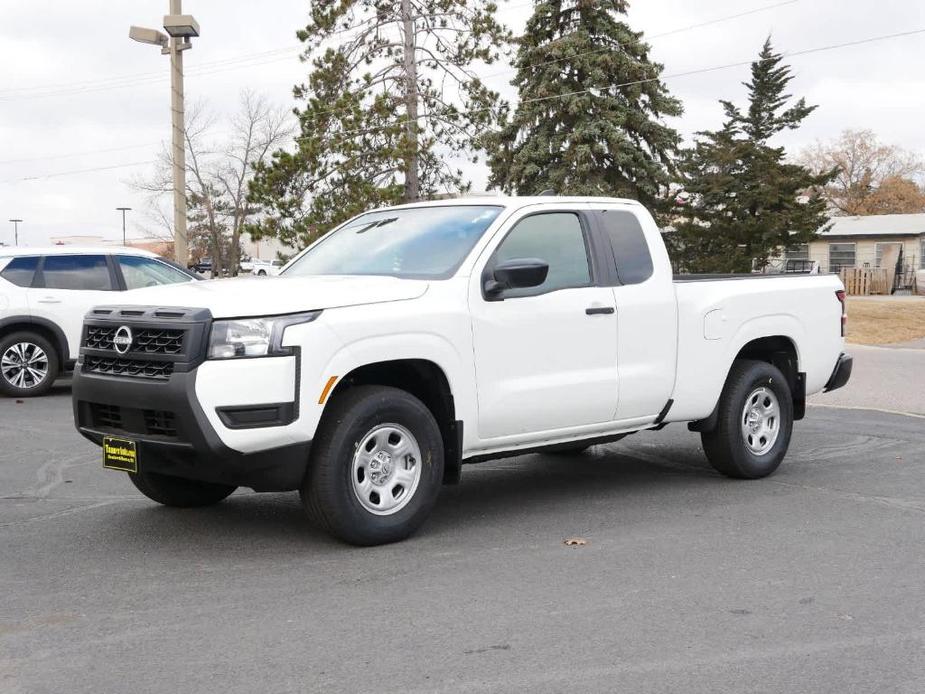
pixel 589 119
pixel 390 100
pixel 745 201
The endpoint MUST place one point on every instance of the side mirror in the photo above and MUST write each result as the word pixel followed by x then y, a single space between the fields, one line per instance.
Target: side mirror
pixel 517 273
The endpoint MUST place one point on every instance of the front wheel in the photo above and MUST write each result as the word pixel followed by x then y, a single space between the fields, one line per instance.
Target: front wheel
pixel 754 424
pixel 376 466
pixel 177 491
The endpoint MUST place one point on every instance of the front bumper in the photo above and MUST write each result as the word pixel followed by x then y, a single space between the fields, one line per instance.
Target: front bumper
pixel 155 394
pixel 841 374
pixel 173 435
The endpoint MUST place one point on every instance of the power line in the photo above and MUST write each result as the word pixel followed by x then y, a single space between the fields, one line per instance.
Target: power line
pixel 679 30
pixel 688 73
pixel 77 154
pixel 264 58
pixel 77 171
pixel 130 80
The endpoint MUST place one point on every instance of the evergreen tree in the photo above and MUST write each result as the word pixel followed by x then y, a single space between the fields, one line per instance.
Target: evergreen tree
pixel 389 100
pixel 589 120
pixel 745 202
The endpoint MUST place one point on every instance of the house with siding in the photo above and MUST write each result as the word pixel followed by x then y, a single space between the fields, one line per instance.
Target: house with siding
pixel 862 242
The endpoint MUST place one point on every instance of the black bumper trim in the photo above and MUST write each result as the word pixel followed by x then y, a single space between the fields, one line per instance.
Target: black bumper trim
pixel 197 452
pixel 841 373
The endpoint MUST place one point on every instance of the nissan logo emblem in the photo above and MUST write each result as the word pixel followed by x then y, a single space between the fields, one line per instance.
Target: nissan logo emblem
pixel 122 340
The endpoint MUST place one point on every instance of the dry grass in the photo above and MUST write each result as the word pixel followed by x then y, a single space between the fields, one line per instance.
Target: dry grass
pixel 872 322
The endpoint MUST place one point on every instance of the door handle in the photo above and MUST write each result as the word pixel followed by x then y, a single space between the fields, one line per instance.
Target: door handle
pixel 599 310
pixel 49 300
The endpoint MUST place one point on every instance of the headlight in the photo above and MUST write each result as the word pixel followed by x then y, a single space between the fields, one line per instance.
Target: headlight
pixel 253 337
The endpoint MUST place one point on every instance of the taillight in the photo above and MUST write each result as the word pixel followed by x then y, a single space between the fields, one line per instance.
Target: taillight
pixel 844 310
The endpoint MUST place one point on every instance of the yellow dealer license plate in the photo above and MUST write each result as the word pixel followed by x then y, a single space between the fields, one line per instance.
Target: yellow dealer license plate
pixel 120 454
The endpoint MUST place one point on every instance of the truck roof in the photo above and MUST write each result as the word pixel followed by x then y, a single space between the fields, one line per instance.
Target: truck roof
pixel 515 202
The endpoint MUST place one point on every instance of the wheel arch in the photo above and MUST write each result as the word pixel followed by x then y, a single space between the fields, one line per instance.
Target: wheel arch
pixel 427 381
pixel 778 350
pixel 50 331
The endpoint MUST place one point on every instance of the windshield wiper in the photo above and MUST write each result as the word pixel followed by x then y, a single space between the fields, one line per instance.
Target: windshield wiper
pixel 373 225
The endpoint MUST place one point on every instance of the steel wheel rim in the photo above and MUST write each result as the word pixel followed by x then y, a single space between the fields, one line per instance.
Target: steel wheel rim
pixel 24 365
pixel 760 421
pixel 386 469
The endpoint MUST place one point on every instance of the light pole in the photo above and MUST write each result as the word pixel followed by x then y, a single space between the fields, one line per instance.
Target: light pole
pixel 181 27
pixel 16 223
pixel 123 210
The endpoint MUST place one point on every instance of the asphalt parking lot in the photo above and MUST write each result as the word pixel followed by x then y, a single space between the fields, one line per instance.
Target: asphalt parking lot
pixel 811 580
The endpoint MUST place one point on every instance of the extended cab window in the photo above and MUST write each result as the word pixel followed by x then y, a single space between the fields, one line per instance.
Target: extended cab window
pixel 628 241
pixel 82 272
pixel 147 272
pixel 20 271
pixel 555 238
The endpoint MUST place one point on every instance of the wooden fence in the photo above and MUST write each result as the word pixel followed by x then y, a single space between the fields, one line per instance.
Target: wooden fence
pixel 864 281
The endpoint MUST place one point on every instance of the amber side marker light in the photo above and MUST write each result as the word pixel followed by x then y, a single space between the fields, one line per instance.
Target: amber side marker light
pixel 327 389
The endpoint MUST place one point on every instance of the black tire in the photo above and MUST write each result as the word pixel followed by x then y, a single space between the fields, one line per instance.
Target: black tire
pixel 328 491
pixel 726 446
pixel 179 492
pixel 51 364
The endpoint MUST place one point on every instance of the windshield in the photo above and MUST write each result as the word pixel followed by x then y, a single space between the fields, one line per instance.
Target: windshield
pixel 419 242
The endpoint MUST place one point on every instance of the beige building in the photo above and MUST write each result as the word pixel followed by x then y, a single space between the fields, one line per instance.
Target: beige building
pixel 862 242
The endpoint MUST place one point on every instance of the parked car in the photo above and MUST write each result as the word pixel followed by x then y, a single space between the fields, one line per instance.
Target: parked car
pixel 202 266
pixel 413 339
pixel 263 268
pixel 44 295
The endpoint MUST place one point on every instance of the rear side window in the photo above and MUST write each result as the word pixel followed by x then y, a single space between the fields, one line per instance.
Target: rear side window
pixel 556 238
pixel 628 241
pixel 81 272
pixel 21 270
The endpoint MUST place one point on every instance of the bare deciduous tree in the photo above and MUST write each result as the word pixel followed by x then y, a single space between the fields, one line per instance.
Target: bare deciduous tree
pixel 864 165
pixel 220 159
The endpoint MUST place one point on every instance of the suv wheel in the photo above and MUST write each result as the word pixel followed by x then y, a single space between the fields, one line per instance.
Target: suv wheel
pixel 755 420
pixel 28 365
pixel 376 466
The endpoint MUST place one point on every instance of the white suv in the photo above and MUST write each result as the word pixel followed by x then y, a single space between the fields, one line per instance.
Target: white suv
pixel 44 295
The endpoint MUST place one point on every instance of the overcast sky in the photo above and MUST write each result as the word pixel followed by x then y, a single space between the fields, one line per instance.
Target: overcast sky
pixel 77 94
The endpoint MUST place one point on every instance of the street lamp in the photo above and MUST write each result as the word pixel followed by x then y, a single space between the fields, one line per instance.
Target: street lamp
pixel 123 210
pixel 16 223
pixel 181 28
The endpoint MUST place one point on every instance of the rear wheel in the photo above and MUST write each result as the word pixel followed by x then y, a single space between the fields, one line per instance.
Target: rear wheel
pixel 376 466
pixel 179 492
pixel 754 424
pixel 28 365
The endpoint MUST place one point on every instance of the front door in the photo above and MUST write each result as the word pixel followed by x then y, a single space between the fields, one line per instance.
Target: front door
pixel 546 356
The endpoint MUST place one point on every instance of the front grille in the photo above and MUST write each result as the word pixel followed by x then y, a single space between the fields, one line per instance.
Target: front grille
pixel 160 423
pixel 144 340
pixel 127 420
pixel 165 341
pixel 136 368
pixel 99 337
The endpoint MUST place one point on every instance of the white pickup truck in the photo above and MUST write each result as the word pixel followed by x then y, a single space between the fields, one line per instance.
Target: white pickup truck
pixel 413 339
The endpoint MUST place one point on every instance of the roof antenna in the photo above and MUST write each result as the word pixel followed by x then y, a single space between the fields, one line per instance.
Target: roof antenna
pixel 547 192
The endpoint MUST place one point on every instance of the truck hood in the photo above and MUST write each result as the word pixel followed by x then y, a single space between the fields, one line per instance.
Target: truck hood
pixel 267 296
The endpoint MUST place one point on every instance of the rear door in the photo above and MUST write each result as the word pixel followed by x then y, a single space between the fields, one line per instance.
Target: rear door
pixel 66 287
pixel 647 311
